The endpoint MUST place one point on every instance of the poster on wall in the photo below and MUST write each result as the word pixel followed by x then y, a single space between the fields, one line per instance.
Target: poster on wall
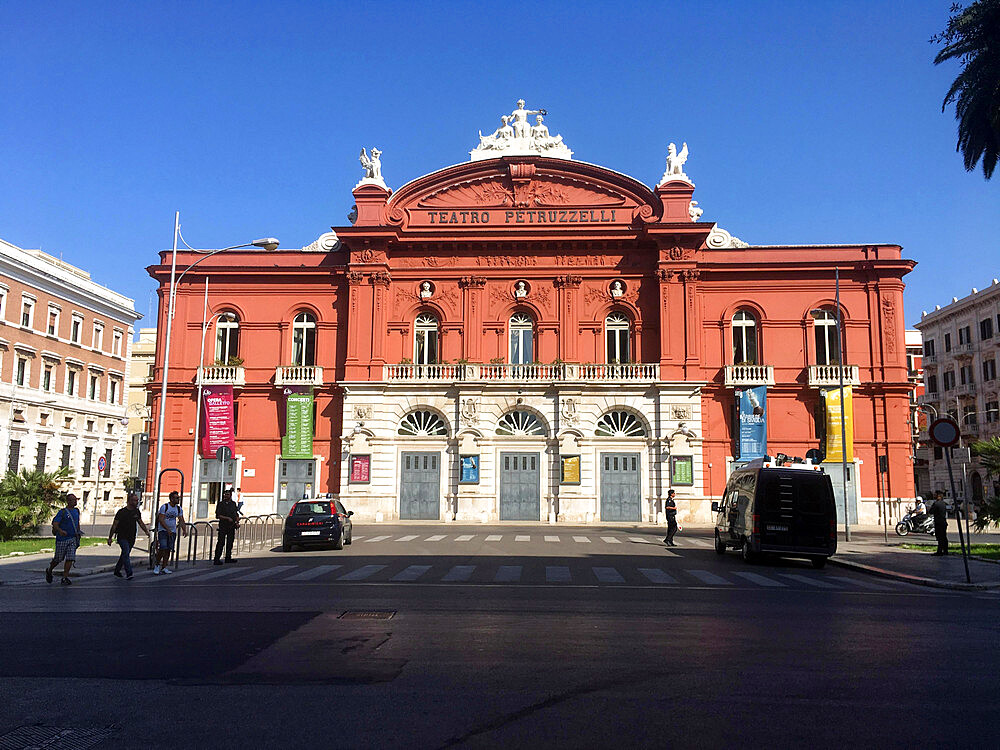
pixel 470 470
pixel 834 450
pixel 682 470
pixel 361 469
pixel 297 442
pixel 570 473
pixel 217 429
pixel 753 422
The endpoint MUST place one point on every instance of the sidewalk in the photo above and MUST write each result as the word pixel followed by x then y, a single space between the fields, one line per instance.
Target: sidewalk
pixel 89 560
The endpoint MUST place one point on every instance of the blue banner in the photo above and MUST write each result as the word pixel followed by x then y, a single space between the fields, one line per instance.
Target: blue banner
pixel 753 422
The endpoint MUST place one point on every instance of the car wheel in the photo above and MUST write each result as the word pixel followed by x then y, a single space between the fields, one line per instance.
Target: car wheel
pixel 350 538
pixel 749 556
pixel 338 543
pixel 720 546
pixel 818 562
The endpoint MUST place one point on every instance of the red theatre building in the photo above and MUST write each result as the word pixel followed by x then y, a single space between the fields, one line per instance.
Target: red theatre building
pixel 527 337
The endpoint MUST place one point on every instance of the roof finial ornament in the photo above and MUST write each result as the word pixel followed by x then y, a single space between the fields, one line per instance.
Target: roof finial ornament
pixel 372 167
pixel 675 164
pixel 517 137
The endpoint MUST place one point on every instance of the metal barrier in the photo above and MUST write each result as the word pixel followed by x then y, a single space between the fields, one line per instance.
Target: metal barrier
pixel 194 536
pixel 254 532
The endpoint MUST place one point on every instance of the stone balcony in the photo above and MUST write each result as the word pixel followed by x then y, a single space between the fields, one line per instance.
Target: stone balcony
pixel 745 376
pixel 928 398
pixel 929 359
pixel 828 376
pixel 529 373
pixel 222 375
pixel 298 375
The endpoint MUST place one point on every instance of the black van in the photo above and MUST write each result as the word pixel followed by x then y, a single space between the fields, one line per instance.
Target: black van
pixel 778 507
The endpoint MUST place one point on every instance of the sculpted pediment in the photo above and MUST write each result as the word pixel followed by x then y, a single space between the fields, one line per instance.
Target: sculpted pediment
pixel 544 190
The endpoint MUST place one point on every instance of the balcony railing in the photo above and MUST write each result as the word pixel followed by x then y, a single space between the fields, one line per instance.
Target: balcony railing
pixel 222 375
pixel 929 359
pixel 965 389
pixel 965 350
pixel 523 373
pixel 739 376
pixel 928 398
pixel 826 376
pixel 298 375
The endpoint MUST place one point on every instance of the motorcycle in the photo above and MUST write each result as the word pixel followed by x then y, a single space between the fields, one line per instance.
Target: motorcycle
pixel 907 524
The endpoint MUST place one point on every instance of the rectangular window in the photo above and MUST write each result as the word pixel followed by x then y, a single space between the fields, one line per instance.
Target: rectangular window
pixel 989 370
pixel 112 391
pixel 88 457
pixel 66 456
pixel 116 343
pixel 965 373
pixel 76 329
pixel 47 378
pixel 53 326
pixel 14 456
pixel 27 312
pixel 71 380
pixel 969 415
pixel 3 302
pixel 107 463
pixel 929 348
pixel 993 412
pixel 949 380
pixel 94 392
pixel 98 336
pixel 986 329
pixel 22 371
pixel 947 342
pixel 965 335
pixel 932 384
pixel 40 456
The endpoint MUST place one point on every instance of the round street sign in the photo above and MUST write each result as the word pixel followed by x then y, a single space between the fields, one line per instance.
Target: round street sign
pixel 223 453
pixel 944 432
pixel 102 463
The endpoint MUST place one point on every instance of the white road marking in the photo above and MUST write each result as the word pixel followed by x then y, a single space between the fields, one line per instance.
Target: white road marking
pixel 655 575
pixel 308 575
pixel 459 573
pixel 465 538
pixel 808 581
pixel 507 574
pixel 217 574
pixel 551 539
pixel 608 575
pixel 411 573
pixel 557 574
pixel 363 572
pixel 266 573
pixel 435 538
pixel 710 578
pixel 407 538
pixel 379 538
pixel 697 542
pixel 522 538
pixel 582 539
pixel 611 540
pixel 638 539
pixel 858 582
pixel 494 538
pixel 758 579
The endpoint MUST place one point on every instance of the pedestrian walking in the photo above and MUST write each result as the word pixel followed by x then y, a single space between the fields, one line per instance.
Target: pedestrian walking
pixel 169 518
pixel 66 527
pixel 940 512
pixel 228 514
pixel 123 527
pixel 670 511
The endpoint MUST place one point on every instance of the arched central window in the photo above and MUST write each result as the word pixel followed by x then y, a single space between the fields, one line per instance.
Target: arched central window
pixel 827 345
pixel 616 326
pixel 620 424
pixel 227 338
pixel 422 424
pixel 744 338
pixel 521 339
pixel 425 343
pixel 520 423
pixel 304 339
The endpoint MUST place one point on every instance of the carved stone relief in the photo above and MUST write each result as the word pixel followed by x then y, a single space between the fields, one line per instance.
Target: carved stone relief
pixel 362 412
pixel 680 412
pixel 469 412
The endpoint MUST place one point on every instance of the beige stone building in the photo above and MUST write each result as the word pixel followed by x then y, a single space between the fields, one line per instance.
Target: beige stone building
pixel 139 409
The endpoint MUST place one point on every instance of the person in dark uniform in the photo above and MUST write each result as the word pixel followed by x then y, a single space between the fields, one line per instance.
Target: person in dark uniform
pixel 940 512
pixel 670 511
pixel 228 514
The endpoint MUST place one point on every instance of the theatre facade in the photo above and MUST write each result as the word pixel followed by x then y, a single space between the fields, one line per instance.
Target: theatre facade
pixel 528 337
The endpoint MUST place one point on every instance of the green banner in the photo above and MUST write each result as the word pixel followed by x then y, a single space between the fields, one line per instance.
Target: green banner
pixel 297 442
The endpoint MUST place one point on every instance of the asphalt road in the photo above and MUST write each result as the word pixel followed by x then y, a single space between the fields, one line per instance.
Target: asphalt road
pixel 501 642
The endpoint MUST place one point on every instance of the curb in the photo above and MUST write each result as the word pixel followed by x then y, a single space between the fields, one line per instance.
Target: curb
pixel 75 573
pixel 907 578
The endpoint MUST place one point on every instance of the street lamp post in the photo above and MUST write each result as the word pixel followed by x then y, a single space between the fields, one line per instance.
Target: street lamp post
pixel 268 243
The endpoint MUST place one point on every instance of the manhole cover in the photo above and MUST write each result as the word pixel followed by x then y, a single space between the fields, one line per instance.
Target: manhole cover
pixel 53 738
pixel 384 614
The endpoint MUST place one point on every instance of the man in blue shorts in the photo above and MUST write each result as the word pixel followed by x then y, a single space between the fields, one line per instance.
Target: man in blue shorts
pixel 168 518
pixel 66 526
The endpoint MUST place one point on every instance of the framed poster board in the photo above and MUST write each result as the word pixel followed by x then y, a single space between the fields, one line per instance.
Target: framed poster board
pixel 361 466
pixel 469 469
pixel 682 470
pixel 569 472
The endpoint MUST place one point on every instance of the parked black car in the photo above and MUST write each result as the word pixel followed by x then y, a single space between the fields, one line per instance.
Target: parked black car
pixel 318 521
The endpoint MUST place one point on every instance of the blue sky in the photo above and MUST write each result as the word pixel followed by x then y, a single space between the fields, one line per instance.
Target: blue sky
pixel 808 122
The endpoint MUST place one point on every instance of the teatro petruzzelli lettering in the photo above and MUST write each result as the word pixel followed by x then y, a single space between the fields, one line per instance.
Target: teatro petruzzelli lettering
pixel 523 216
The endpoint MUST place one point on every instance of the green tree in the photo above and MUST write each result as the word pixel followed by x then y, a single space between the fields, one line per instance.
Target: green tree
pixel 973 38
pixel 988 452
pixel 26 500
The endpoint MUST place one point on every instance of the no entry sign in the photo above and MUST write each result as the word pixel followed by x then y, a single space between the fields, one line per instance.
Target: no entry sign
pixel 944 432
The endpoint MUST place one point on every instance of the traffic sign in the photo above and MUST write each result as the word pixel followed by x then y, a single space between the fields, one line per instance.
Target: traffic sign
pixel 102 464
pixel 223 453
pixel 944 432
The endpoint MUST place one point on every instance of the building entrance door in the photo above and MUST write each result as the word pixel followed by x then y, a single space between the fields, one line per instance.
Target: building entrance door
pixel 420 486
pixel 519 492
pixel 208 492
pixel 620 496
pixel 296 481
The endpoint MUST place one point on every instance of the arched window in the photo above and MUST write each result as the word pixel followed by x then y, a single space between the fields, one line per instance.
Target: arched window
pixel 744 338
pixel 620 424
pixel 304 339
pixel 520 423
pixel 227 338
pixel 422 424
pixel 827 345
pixel 425 342
pixel 616 326
pixel 521 339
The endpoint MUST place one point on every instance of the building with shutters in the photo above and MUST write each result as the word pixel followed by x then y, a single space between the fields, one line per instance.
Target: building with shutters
pixel 64 351
pixel 524 336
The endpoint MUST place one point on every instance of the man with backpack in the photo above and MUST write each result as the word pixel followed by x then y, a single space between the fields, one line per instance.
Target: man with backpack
pixel 168 518
pixel 66 527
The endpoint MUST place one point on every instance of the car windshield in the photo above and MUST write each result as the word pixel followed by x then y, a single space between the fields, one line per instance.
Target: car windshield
pixel 310 509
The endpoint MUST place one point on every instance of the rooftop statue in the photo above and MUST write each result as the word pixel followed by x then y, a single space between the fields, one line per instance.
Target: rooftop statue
pixel 372 167
pixel 517 137
pixel 675 164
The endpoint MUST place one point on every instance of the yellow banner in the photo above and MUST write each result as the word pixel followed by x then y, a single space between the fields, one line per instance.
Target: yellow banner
pixel 834 450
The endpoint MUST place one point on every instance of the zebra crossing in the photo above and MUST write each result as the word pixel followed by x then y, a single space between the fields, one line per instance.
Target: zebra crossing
pixel 527 538
pixel 523 572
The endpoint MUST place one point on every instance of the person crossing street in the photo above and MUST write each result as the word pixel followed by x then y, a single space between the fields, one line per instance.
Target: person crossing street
pixel 670 511
pixel 124 527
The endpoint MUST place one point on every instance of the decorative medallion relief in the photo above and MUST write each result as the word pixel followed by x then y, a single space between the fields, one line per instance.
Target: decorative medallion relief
pixel 569 411
pixel 680 412
pixel 362 412
pixel 469 412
